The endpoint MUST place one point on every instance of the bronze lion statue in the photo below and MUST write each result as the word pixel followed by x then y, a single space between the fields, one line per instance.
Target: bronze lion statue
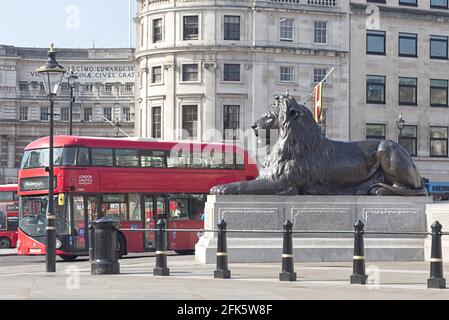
pixel 304 162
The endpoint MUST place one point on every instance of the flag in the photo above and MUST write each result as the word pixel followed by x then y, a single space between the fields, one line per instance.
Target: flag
pixel 318 100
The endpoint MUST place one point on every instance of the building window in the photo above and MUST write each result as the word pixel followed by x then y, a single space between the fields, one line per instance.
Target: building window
pixel 438 141
pixel 129 88
pixel 23 113
pixel 41 87
pixel 88 114
pixel 413 3
pixel 286 30
pixel 438 4
pixel 156 74
pixel 107 113
pixel 89 88
pixel 64 88
pixel 156 128
pixel 65 114
pixel 189 72
pixel 438 93
pixel 375 89
pixel 190 121
pixel 126 114
pixel 409 140
pixel 231 121
pixel 319 74
pixel 320 32
pixel 157 30
pixel 108 88
pixel 438 47
pixel 231 27
pixel 286 74
pixel 408 90
pixel 408 45
pixel 23 87
pixel 190 27
pixel 375 42
pixel 231 72
pixel 375 131
pixel 44 113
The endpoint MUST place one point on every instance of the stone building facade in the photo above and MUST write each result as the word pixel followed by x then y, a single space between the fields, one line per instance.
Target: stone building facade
pixel 104 88
pixel 399 66
pixel 216 65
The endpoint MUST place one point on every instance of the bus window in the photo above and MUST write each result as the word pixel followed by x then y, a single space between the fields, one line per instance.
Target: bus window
pixel 197 203
pixel 68 156
pixel 92 213
pixel 197 161
pixel 3 217
pixel 134 207
pixel 148 208
pixel 78 222
pixel 126 158
pixel 6 196
pixel 102 157
pixel 153 159
pixel 160 207
pixel 114 206
pixel 39 158
pixel 83 157
pixel 179 207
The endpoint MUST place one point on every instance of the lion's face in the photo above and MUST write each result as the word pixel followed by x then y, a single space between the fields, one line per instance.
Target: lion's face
pixel 269 121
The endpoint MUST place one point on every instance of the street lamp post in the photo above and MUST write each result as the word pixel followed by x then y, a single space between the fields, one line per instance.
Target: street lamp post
pixel 52 75
pixel 400 124
pixel 71 77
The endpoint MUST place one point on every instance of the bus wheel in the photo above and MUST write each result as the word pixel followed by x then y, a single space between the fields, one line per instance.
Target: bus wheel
pixel 5 243
pixel 121 246
pixel 66 258
pixel 185 252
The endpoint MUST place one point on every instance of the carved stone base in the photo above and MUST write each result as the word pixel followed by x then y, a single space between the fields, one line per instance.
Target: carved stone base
pixel 315 213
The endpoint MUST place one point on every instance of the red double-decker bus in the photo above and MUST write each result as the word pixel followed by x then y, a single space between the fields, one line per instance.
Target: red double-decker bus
pixel 133 181
pixel 8 216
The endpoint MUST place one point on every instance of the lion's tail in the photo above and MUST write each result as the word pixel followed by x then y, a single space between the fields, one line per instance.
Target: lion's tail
pixel 401 192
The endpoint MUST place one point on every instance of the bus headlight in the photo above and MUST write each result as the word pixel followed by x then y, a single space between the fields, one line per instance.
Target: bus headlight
pixel 58 244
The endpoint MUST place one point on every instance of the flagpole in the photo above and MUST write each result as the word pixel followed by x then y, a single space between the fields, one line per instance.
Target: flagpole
pixel 324 79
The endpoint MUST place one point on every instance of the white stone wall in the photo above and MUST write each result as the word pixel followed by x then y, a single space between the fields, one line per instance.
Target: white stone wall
pixel 424 22
pixel 259 52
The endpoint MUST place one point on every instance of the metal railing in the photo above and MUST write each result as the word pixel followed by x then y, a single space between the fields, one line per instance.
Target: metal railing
pixel 436 279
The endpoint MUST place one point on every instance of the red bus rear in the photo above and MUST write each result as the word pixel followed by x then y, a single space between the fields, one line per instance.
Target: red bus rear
pixel 8 216
pixel 135 182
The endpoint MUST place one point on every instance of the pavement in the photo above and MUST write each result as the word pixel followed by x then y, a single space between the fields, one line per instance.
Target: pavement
pixel 24 278
pixel 8 252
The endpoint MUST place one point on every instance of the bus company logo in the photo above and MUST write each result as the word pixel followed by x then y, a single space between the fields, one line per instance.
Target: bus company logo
pixel 85 180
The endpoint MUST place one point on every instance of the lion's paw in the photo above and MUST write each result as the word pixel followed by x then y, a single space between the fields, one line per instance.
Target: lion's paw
pixel 226 189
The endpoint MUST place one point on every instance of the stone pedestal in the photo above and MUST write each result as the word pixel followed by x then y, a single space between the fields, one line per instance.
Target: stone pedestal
pixel 438 211
pixel 315 213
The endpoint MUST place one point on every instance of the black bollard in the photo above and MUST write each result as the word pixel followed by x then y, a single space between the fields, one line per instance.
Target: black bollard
pixel 288 273
pixel 161 251
pixel 104 244
pixel 222 271
pixel 359 276
pixel 436 280
pixel 91 237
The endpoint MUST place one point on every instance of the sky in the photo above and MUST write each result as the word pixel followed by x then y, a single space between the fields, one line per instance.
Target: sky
pixel 66 23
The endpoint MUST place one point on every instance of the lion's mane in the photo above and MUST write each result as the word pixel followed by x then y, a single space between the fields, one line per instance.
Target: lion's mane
pixel 301 153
